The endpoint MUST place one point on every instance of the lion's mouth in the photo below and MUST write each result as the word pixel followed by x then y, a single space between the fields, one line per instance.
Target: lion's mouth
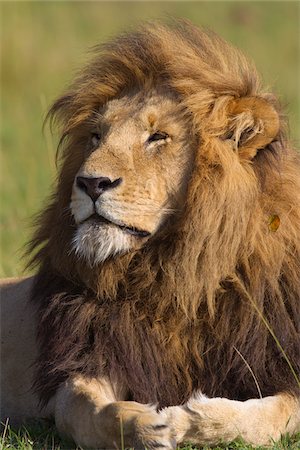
pixel 99 219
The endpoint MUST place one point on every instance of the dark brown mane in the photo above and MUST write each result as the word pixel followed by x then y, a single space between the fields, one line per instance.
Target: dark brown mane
pixel 178 314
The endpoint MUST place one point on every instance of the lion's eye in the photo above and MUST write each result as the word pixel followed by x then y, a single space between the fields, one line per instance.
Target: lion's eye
pixel 96 137
pixel 157 136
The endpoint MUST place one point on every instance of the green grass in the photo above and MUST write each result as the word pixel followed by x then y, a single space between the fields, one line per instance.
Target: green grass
pixel 44 436
pixel 40 435
pixel 42 43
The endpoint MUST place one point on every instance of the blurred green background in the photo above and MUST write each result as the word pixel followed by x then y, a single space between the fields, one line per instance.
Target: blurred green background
pixel 43 43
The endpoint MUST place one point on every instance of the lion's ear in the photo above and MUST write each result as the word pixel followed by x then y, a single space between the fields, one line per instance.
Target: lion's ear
pixel 253 124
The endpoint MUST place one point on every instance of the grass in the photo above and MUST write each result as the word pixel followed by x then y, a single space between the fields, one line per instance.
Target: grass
pixel 42 43
pixel 37 436
pixel 43 436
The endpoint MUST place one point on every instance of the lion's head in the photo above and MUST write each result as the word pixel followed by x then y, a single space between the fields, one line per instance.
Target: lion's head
pixel 136 163
pixel 175 174
pixel 141 129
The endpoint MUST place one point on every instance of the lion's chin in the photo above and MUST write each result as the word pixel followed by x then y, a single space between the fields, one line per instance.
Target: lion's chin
pixel 97 242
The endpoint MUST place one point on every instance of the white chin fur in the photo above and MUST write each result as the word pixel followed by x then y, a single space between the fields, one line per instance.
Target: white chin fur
pixel 96 243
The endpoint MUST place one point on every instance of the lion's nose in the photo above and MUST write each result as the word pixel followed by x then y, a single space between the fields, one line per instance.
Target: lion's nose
pixel 96 186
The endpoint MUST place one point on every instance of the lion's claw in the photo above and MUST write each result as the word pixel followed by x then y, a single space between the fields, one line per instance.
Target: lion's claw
pixel 153 432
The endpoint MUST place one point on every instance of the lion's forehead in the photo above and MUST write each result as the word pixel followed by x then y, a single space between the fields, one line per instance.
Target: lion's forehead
pixel 142 110
pixel 125 124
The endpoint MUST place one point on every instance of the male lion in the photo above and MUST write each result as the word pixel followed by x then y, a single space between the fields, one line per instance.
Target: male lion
pixel 166 304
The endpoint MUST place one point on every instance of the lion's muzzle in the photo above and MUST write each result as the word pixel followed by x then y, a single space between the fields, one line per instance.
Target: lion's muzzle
pixel 94 187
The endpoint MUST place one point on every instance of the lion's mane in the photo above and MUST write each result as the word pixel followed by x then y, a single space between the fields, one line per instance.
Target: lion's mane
pixel 199 299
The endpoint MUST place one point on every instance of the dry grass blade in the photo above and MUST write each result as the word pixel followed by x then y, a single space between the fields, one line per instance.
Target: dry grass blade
pixel 266 323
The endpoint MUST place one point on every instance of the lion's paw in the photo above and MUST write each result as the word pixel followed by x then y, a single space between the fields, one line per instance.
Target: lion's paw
pixel 153 431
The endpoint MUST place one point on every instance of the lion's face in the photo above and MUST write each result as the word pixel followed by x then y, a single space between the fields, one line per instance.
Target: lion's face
pixel 137 165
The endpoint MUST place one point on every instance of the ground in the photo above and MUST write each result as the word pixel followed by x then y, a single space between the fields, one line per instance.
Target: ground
pixel 44 436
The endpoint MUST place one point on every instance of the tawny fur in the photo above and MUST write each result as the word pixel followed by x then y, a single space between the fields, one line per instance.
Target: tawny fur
pixel 184 312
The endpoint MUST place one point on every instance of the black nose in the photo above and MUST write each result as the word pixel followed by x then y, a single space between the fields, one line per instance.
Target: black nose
pixel 96 186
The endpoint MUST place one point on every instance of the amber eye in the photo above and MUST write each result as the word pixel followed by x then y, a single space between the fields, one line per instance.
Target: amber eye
pixel 157 136
pixel 95 138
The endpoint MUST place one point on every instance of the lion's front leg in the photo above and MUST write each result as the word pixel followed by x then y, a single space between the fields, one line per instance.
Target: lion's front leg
pixel 211 421
pixel 91 413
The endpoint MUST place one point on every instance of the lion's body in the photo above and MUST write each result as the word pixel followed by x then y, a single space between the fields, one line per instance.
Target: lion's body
pixel 254 420
pixel 169 255
pixel 18 352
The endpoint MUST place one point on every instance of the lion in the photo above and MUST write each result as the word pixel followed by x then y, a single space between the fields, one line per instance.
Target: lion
pixel 165 307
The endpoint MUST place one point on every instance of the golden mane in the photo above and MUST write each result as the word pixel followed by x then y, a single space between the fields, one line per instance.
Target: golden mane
pixel 202 284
